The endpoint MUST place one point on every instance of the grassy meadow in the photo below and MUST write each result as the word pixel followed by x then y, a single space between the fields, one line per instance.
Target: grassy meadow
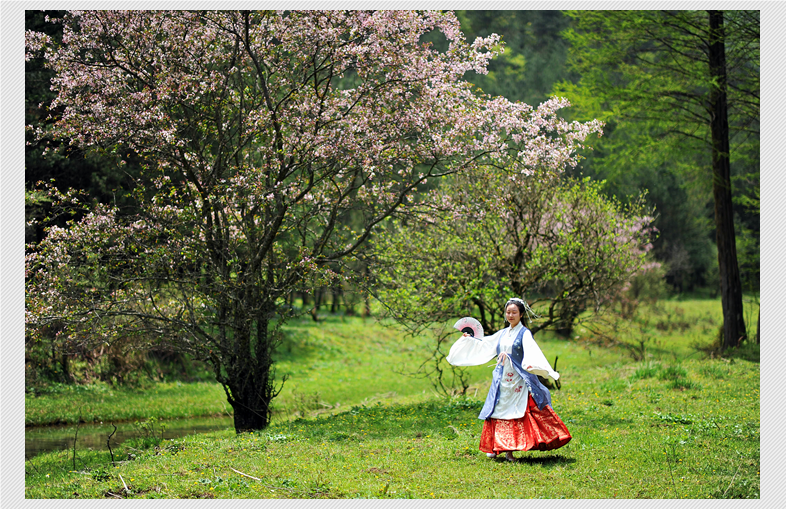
pixel 676 423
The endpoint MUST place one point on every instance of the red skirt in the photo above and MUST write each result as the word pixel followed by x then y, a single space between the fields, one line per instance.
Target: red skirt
pixel 539 430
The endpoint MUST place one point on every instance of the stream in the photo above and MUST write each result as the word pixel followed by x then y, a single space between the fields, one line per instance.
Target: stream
pixel 40 439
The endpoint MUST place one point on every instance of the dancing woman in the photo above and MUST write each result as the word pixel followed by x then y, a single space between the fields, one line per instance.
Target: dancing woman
pixel 517 413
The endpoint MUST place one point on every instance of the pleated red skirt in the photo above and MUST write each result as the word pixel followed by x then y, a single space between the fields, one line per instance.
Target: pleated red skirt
pixel 538 430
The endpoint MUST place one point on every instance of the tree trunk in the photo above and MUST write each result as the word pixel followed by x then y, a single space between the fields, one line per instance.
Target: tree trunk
pixel 318 292
pixel 349 306
pixel 366 304
pixel 250 411
pixel 66 370
pixel 366 296
pixel 250 376
pixel 334 301
pixel 731 286
pixel 483 321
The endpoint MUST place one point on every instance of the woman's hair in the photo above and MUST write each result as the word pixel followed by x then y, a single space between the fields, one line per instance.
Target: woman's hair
pixel 527 315
pixel 519 304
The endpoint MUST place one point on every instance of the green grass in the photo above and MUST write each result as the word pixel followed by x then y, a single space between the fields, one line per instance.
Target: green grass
pixel 338 361
pixel 672 329
pixel 70 404
pixel 676 425
pixel 631 439
pixel 343 361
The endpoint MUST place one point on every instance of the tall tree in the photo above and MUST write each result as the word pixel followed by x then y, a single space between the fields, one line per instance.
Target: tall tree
pixel 260 133
pixel 676 76
pixel 731 286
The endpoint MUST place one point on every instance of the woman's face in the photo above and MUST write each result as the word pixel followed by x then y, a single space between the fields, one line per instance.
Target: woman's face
pixel 513 315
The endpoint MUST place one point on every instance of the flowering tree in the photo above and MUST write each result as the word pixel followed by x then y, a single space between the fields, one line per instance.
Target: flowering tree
pixel 261 133
pixel 482 239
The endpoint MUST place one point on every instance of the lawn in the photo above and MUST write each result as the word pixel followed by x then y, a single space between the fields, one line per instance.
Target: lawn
pixel 673 425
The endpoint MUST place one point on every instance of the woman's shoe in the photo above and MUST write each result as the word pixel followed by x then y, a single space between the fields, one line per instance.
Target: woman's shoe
pixel 491 454
pixel 509 456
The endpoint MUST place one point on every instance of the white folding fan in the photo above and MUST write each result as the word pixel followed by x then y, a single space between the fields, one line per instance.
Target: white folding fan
pixel 470 326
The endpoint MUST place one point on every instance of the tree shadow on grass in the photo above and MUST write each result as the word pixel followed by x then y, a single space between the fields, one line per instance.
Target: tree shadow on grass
pixel 747 351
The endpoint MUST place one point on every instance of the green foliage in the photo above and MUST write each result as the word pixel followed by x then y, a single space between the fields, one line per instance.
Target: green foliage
pixel 646 74
pixel 563 245
pixel 748 233
pixel 535 54
pixel 684 383
pixel 47 370
pixel 150 431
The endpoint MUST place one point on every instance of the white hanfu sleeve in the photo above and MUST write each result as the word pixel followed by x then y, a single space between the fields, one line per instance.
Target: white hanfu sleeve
pixel 469 351
pixel 534 357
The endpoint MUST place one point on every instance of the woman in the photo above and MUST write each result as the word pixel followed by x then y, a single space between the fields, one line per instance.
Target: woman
pixel 517 414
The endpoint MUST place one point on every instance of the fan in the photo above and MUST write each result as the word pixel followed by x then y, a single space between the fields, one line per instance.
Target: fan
pixel 470 326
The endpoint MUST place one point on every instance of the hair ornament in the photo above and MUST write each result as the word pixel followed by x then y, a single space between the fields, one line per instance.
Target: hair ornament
pixel 527 310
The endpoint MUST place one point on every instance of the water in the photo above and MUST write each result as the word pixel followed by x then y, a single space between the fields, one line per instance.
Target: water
pixel 40 439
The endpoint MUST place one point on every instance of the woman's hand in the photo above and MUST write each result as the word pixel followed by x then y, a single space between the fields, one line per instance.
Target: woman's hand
pixel 465 335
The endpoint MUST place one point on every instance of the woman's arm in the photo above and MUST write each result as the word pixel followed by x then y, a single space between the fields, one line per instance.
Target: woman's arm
pixel 469 351
pixel 534 361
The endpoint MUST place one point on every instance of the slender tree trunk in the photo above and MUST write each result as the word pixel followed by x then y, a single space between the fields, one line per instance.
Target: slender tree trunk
pixel 366 296
pixel 334 300
pixel 482 309
pixel 318 293
pixel 731 286
pixel 66 371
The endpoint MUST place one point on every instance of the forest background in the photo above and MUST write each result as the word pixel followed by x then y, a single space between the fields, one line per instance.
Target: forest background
pixel 633 156
pixel 535 65
pixel 544 55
